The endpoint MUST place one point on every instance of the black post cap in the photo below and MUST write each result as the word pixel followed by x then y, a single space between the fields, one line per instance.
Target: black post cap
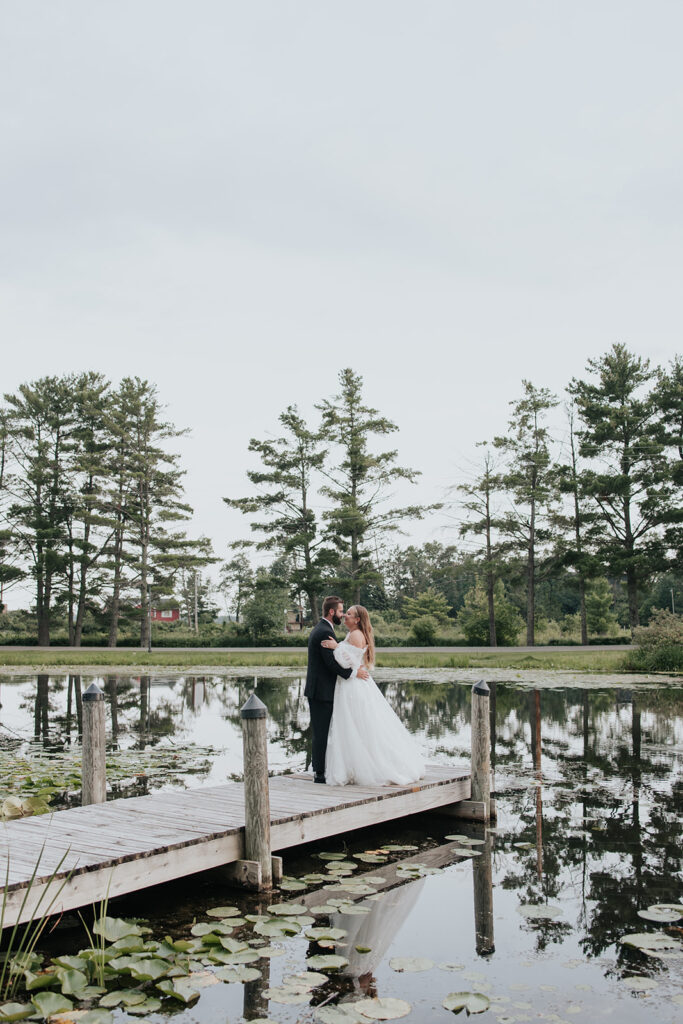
pixel 481 688
pixel 253 708
pixel 93 693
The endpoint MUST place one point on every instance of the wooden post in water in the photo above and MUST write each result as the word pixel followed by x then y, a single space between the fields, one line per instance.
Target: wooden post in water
pixel 94 767
pixel 256 796
pixel 481 747
pixel 482 882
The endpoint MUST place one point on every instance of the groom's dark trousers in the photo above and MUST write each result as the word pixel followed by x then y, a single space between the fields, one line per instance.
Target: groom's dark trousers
pixel 321 677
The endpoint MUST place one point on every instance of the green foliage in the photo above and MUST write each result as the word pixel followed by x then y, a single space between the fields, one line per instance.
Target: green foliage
pixel 599 601
pixel 627 479
pixel 660 644
pixel 359 483
pixel 424 630
pixel 473 618
pixel 283 500
pixel 428 603
pixel 264 612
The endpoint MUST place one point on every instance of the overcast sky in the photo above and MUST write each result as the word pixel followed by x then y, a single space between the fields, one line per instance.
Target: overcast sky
pixel 235 200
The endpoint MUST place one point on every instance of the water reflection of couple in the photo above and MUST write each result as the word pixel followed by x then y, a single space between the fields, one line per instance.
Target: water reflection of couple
pixel 357 737
pixel 368 936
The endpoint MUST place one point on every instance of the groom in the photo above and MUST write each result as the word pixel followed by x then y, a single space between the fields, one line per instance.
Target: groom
pixel 321 677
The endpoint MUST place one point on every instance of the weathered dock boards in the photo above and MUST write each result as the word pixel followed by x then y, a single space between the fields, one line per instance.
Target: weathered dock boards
pixel 125 845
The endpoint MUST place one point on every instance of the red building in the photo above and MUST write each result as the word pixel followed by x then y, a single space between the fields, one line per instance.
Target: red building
pixel 165 614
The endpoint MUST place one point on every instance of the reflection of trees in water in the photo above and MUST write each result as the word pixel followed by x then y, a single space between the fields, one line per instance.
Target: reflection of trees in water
pixel 622 863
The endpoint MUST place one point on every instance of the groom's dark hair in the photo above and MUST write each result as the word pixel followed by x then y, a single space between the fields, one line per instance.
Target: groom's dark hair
pixel 329 603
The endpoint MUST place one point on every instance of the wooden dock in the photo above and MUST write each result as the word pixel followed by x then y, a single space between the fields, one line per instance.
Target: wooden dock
pixel 126 845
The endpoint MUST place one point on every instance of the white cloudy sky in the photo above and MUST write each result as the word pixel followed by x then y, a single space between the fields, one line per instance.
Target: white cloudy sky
pixel 237 199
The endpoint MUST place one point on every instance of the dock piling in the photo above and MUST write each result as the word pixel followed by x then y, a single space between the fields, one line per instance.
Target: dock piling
pixel 481 747
pixel 94 766
pixel 256 795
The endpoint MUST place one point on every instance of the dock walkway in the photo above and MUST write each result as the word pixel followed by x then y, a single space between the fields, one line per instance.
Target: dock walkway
pixel 126 845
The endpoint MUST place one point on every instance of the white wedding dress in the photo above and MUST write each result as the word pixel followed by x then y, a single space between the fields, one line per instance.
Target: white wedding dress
pixel 368 745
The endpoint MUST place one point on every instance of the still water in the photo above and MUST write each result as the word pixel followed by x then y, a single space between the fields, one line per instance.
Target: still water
pixel 589 787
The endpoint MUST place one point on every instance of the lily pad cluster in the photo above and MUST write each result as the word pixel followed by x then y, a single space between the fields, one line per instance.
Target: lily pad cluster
pixel 38 778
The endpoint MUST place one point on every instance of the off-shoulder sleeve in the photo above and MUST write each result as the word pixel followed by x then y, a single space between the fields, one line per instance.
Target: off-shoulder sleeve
pixel 348 656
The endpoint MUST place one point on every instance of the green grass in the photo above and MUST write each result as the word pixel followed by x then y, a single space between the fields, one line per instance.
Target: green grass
pixel 575 661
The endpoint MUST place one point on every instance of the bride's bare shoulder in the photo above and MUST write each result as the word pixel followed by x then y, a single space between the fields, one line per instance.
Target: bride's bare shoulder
pixel 356 638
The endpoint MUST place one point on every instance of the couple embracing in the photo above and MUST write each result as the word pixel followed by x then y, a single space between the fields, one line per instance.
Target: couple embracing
pixel 357 737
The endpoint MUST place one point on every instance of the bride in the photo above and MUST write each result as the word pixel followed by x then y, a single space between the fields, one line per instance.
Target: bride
pixel 368 744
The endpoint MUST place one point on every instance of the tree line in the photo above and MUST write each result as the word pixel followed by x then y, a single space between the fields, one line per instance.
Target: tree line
pixel 93 507
pixel 541 514
pixel 92 502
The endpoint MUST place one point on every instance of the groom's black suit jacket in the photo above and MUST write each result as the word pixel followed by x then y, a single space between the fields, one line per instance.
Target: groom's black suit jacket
pixel 322 668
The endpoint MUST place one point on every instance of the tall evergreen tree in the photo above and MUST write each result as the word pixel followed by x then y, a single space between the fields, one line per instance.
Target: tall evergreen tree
pixel 41 424
pixel 528 482
pixel 626 467
pixel 478 504
pixel 289 523
pixel 156 497
pixel 360 486
pixel 668 397
pixel 575 525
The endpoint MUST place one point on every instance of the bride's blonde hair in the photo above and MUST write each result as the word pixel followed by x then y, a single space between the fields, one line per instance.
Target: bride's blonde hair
pixel 365 627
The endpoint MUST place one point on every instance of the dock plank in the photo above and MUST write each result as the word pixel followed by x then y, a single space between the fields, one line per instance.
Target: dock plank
pixel 129 844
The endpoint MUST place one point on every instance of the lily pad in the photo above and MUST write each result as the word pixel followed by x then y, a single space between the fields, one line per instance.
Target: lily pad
pixel 410 964
pixel 286 995
pixel 343 1013
pixel 113 928
pixel 15 1011
pixel 331 934
pixel 649 940
pixel 48 1003
pixel 178 988
pixel 446 966
pixel 328 962
pixel 43 979
pixel 466 851
pixel 150 1005
pixel 149 970
pixel 127 996
pixel 383 1009
pixel 292 885
pixel 660 914
pixel 238 974
pixel 332 856
pixel 398 848
pixel 290 909
pixel 472 1002
pixel 233 945
pixel 639 984
pixel 371 858
pixel 538 911
pixel 457 839
pixel 98 1017
pixel 223 912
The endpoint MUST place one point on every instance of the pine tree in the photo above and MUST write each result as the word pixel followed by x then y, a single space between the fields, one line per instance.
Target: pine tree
pixel 478 503
pixel 529 484
pixel 41 424
pixel 289 523
pixel 360 485
pixel 627 467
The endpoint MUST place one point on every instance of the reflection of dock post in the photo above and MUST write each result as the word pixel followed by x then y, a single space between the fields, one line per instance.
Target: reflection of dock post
pixel 481 747
pixel 256 795
pixel 482 882
pixel 94 769
pixel 255 1004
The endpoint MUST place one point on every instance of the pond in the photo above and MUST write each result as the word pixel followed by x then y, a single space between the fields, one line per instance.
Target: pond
pixel 589 786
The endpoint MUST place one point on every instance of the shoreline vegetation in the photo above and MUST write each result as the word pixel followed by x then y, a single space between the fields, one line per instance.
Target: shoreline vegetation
pixel 550 659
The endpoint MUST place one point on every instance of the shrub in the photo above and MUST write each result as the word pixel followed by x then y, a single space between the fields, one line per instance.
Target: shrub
pixel 660 644
pixel 424 629
pixel 428 603
pixel 473 618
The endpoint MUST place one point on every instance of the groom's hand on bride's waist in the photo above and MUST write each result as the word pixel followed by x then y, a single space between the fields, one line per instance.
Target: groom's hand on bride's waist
pixel 363 673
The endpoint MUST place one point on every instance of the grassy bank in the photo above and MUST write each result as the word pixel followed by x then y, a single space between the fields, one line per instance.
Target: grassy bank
pixel 576 661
